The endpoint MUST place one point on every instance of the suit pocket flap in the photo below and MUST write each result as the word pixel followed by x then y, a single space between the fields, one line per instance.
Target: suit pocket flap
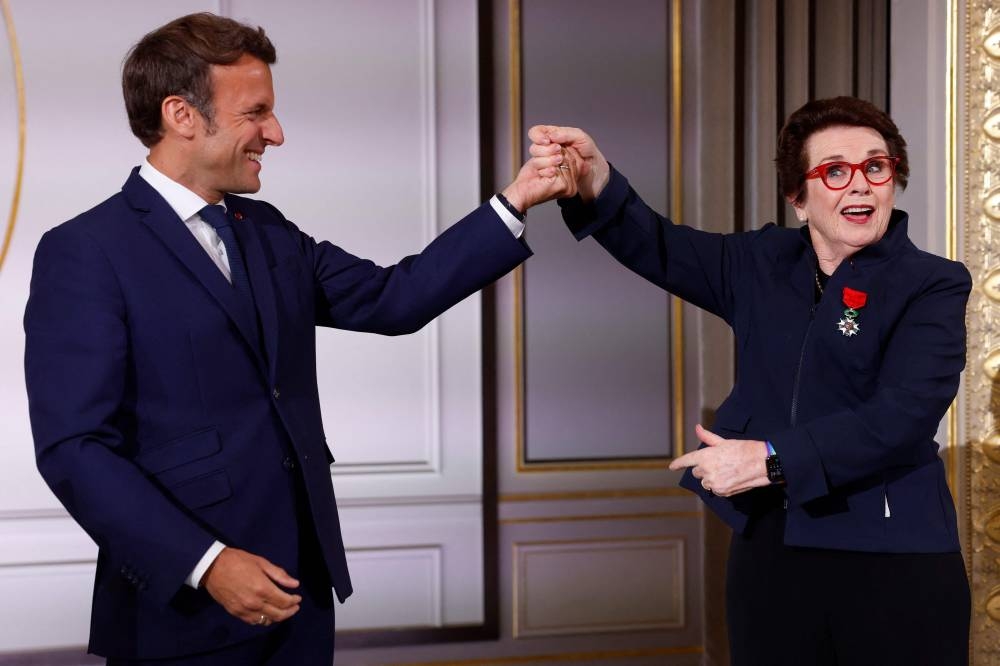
pixel 203 490
pixel 180 451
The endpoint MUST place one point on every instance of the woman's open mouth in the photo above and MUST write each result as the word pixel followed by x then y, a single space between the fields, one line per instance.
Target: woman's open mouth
pixel 858 214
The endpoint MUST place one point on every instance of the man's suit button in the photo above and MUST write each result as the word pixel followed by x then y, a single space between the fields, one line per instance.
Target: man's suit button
pixel 288 463
pixel 275 393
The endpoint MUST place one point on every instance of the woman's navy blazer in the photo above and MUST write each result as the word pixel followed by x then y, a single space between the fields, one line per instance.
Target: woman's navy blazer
pixel 853 418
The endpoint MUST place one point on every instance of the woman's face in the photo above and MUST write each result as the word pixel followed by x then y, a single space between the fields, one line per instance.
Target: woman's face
pixel 841 222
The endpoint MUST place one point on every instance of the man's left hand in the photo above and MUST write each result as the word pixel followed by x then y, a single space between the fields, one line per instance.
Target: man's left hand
pixel 726 467
pixel 544 178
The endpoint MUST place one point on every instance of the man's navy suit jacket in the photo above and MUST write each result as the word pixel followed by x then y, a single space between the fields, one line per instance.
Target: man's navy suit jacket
pixel 852 418
pixel 162 427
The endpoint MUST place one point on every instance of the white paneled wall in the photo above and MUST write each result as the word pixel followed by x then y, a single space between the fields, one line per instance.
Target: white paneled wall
pixel 379 102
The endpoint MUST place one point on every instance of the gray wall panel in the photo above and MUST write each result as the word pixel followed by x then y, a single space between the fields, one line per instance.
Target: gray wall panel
pixel 596 336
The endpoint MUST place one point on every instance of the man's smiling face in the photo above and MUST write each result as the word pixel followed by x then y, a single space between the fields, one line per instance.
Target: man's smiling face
pixel 226 152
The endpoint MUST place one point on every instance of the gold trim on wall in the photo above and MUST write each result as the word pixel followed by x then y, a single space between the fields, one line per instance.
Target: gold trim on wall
pixel 596 517
pixel 617 493
pixel 975 51
pixel 15 53
pixel 677 212
pixel 951 235
pixel 602 655
pixel 676 318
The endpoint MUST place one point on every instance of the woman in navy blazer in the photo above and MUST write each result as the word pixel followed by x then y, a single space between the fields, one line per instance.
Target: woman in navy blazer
pixel 850 343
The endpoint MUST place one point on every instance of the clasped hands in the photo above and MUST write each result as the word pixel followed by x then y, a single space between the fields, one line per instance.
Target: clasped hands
pixel 564 162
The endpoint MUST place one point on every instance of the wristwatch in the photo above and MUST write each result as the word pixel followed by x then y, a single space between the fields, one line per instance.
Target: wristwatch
pixel 510 207
pixel 775 474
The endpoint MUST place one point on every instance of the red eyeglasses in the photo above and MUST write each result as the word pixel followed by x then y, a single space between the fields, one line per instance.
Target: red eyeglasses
pixel 838 175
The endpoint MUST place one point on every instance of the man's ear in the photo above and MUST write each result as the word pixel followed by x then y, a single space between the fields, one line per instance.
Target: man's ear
pixel 178 116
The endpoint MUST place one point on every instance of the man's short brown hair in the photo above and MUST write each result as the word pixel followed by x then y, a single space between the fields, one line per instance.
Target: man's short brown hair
pixel 176 59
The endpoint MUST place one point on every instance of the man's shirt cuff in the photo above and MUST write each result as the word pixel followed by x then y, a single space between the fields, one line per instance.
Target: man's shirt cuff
pixel 515 225
pixel 194 580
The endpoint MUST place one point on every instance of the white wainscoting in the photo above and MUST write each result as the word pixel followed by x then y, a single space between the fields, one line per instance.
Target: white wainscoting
pixel 388 550
pixel 598 585
pixel 384 95
pixel 47 565
pixel 47 621
pixel 414 575
pixel 379 103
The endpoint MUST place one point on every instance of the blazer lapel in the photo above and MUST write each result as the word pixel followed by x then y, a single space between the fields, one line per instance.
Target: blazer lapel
pixel 260 279
pixel 174 234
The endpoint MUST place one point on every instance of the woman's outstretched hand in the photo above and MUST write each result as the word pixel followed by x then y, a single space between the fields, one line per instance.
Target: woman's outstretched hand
pixel 726 467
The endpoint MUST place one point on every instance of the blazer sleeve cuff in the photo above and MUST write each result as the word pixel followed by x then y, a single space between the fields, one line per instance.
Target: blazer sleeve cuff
pixel 802 465
pixel 584 219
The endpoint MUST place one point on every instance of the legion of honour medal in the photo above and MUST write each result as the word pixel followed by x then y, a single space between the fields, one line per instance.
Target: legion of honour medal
pixel 854 300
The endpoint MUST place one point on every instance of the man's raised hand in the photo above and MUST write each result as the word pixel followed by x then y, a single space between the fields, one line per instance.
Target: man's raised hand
pixel 542 178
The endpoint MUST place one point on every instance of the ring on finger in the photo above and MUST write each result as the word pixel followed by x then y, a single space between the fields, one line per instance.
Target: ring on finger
pixel 262 620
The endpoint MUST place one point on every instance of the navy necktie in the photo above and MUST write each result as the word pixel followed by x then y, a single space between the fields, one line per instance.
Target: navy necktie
pixel 217 217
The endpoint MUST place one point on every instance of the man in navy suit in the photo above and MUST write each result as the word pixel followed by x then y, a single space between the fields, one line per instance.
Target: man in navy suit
pixel 171 372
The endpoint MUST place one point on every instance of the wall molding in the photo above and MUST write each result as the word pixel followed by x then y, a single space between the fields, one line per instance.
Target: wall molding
pixel 675 308
pixel 555 608
pixel 429 461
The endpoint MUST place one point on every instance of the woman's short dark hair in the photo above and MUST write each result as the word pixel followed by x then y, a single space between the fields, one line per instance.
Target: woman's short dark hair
pixel 792 160
pixel 176 59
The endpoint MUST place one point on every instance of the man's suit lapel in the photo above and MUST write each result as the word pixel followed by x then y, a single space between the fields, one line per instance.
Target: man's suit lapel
pixel 172 232
pixel 260 277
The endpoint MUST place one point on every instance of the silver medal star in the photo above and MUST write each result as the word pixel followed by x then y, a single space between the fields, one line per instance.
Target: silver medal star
pixel 848 326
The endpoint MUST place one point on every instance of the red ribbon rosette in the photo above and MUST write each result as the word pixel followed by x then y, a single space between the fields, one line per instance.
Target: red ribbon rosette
pixel 854 299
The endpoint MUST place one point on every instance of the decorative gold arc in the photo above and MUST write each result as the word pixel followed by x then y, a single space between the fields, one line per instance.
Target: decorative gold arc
pixel 15 53
pixel 676 316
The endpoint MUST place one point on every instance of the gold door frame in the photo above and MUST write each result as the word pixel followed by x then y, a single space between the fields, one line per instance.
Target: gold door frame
pixel 974 198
